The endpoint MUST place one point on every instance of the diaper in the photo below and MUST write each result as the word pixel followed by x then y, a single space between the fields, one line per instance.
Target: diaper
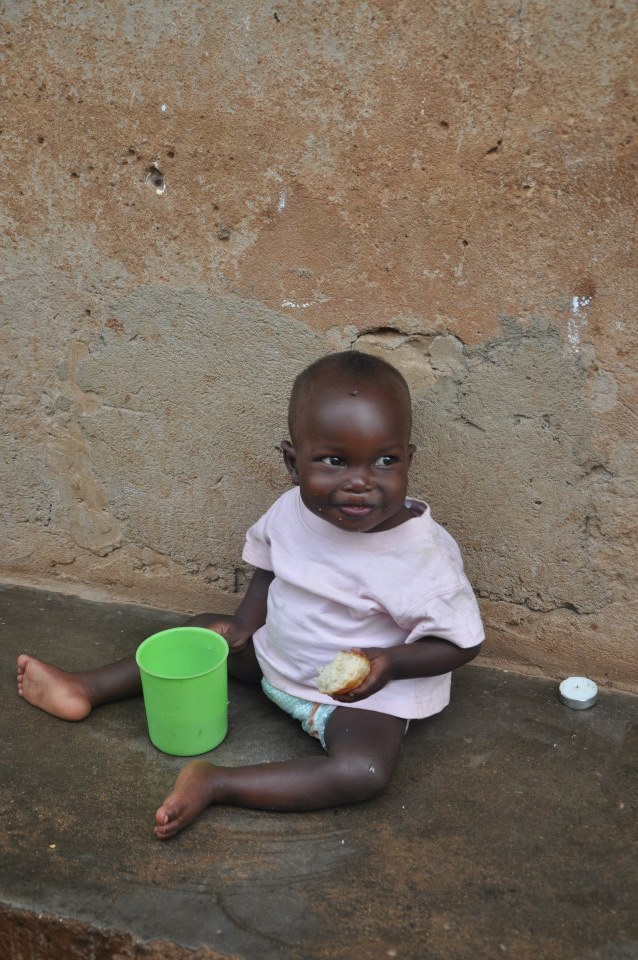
pixel 312 716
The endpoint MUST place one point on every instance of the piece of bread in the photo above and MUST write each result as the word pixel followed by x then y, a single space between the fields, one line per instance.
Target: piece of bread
pixel 344 673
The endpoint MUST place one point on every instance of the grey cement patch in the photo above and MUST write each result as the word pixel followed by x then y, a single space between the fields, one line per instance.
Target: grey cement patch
pixel 505 454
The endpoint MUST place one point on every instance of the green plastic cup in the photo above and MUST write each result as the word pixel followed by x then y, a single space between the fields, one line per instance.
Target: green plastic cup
pixel 185 686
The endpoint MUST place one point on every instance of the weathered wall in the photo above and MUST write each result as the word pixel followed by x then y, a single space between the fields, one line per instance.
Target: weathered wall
pixel 200 198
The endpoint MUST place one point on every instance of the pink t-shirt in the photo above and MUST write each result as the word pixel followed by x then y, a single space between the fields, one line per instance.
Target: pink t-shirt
pixel 335 589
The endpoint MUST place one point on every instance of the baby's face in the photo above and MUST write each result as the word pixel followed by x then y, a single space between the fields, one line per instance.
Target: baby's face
pixel 351 455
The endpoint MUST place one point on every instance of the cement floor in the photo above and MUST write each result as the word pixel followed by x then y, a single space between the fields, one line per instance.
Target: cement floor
pixel 509 830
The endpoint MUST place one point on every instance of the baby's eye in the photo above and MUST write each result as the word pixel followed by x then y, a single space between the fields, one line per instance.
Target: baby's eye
pixel 332 461
pixel 385 461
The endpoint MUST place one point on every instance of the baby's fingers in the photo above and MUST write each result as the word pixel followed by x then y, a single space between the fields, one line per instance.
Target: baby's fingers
pixel 365 689
pixel 238 640
pixel 375 681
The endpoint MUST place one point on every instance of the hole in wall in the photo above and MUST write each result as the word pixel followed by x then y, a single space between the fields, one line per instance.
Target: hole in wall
pixel 155 177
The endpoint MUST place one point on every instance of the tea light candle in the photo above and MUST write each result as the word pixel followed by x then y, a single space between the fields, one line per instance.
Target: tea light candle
pixel 579 693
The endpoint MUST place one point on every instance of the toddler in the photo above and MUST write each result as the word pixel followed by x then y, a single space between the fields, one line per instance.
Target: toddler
pixel 345 559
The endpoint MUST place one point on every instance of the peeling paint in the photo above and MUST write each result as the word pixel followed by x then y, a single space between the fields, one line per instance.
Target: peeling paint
pixel 300 306
pixel 577 321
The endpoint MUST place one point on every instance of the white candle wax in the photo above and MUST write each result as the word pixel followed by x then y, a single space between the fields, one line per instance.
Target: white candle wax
pixel 579 693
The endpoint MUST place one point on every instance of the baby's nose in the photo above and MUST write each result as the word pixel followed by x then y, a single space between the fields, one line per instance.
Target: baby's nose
pixel 358 480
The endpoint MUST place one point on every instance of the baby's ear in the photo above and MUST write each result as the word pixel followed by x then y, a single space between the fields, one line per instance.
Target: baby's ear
pixel 411 452
pixel 290 459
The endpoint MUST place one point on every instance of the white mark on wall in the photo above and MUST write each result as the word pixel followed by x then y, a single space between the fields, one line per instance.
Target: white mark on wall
pixel 576 321
pixel 297 305
pixel 164 107
pixel 283 200
pixel 431 274
pixel 579 303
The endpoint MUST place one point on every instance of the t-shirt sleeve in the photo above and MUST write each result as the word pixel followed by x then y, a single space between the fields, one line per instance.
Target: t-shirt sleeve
pixel 257 546
pixel 453 616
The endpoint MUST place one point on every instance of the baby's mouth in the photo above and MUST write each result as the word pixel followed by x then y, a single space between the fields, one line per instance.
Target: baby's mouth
pixel 356 510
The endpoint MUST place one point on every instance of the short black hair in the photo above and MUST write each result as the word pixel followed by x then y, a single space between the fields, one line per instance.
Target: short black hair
pixel 348 364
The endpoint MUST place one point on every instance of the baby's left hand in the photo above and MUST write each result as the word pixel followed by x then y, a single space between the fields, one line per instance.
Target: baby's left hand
pixel 380 674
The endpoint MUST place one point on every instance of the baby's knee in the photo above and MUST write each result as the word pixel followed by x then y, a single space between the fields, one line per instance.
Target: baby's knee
pixel 376 777
pixel 364 777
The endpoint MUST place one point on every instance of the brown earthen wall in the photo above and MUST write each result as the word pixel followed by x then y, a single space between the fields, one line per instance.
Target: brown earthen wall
pixel 200 198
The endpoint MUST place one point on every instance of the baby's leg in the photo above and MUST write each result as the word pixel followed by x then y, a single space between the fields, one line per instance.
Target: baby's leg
pixel 72 696
pixel 363 749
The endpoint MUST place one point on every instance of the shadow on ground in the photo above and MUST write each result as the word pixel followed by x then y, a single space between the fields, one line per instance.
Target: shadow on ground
pixel 509 830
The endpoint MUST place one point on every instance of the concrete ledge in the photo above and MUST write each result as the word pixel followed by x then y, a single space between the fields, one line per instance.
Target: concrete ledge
pixel 45 937
pixel 507 831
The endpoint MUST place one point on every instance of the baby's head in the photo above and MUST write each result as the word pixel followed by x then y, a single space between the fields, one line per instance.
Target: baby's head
pixel 350 419
pixel 350 371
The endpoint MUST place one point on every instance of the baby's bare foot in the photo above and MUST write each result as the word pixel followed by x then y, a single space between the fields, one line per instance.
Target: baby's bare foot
pixel 192 793
pixel 51 689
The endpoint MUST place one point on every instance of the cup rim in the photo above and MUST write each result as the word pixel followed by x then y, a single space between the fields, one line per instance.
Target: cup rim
pixel 202 631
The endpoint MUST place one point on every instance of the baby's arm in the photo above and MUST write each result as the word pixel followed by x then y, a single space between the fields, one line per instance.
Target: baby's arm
pixel 428 657
pixel 250 614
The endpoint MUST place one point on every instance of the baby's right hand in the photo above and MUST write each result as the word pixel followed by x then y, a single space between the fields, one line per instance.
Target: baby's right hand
pixel 233 632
